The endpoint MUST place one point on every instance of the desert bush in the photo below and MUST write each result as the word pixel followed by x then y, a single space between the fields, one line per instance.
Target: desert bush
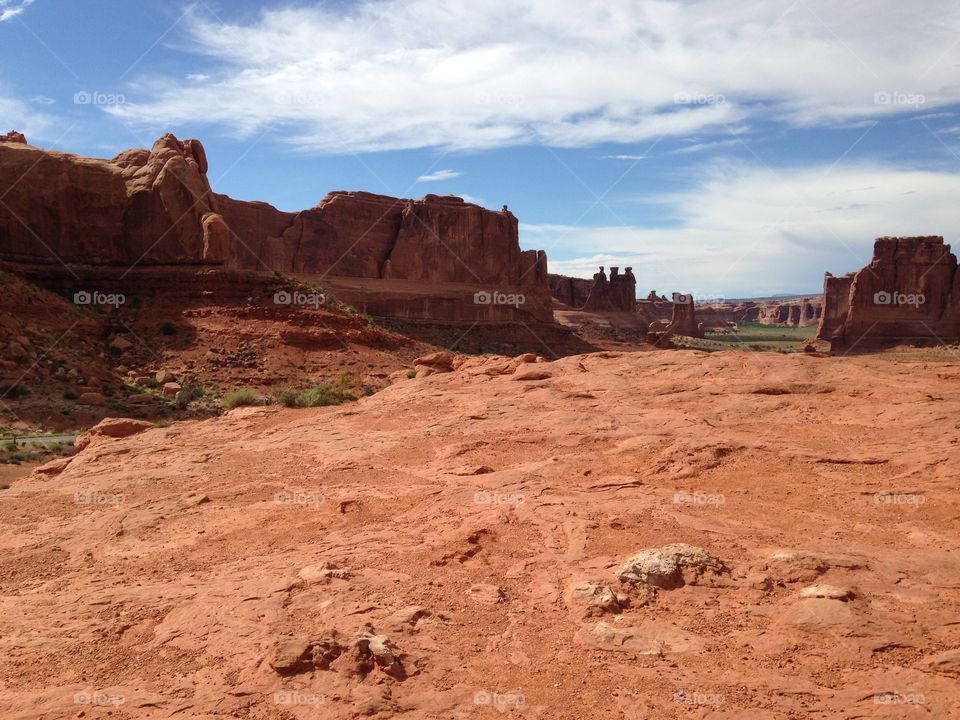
pixel 239 397
pixel 168 329
pixel 411 374
pixel 284 395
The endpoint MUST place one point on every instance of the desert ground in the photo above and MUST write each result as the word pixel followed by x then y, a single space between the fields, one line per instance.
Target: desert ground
pixel 665 534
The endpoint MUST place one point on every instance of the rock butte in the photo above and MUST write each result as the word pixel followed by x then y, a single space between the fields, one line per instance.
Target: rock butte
pixel 910 292
pixel 156 208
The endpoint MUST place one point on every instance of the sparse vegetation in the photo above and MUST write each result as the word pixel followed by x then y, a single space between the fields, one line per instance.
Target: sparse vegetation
pixel 239 397
pixel 168 329
pixel 320 395
pixel 752 337
pixel 411 374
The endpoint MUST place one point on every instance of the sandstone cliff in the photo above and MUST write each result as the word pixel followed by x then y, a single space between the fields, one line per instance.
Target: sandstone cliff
pixel 910 292
pixel 156 207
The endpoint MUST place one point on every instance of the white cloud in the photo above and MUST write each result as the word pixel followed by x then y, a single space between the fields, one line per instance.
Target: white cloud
pixel 745 231
pixel 9 9
pixel 439 175
pixel 18 115
pixel 700 147
pixel 633 158
pixel 461 75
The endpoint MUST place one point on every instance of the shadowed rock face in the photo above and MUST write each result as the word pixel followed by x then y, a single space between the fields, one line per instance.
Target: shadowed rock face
pixel 156 207
pixel 910 292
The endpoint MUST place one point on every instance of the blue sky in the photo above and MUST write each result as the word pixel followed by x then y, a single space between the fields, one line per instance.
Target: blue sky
pixel 719 147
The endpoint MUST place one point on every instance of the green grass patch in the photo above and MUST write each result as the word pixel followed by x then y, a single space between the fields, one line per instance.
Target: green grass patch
pixel 240 397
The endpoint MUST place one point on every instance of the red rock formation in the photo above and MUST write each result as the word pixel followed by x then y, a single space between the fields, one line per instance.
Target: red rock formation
pixel 797 313
pixel 13 137
pixel 618 294
pixel 683 321
pixel 910 292
pixel 156 207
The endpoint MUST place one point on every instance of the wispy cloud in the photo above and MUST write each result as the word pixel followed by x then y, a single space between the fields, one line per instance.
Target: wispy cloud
pixel 382 75
pixel 9 9
pixel 744 232
pixel 700 147
pixel 439 175
pixel 635 158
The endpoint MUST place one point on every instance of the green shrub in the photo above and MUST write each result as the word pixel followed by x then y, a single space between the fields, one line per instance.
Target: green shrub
pixel 324 394
pixel 285 396
pixel 168 329
pixel 69 395
pixel 411 374
pixel 239 397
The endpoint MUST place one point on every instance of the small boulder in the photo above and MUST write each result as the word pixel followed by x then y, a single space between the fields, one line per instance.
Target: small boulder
pixel 183 397
pixel 670 566
pixel 830 592
pixel 439 361
pixel 170 389
pixel 164 376
pixel 120 344
pixel 486 594
pixel 112 428
pixel 526 373
pixel 92 399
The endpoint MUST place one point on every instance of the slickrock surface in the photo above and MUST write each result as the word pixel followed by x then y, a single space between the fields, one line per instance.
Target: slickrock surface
pixel 652 535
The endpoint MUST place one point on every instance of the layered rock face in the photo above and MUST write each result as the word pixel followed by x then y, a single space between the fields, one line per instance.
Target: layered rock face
pixel 153 206
pixel 910 292
pixel 156 207
pixel 616 294
pixel 796 313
